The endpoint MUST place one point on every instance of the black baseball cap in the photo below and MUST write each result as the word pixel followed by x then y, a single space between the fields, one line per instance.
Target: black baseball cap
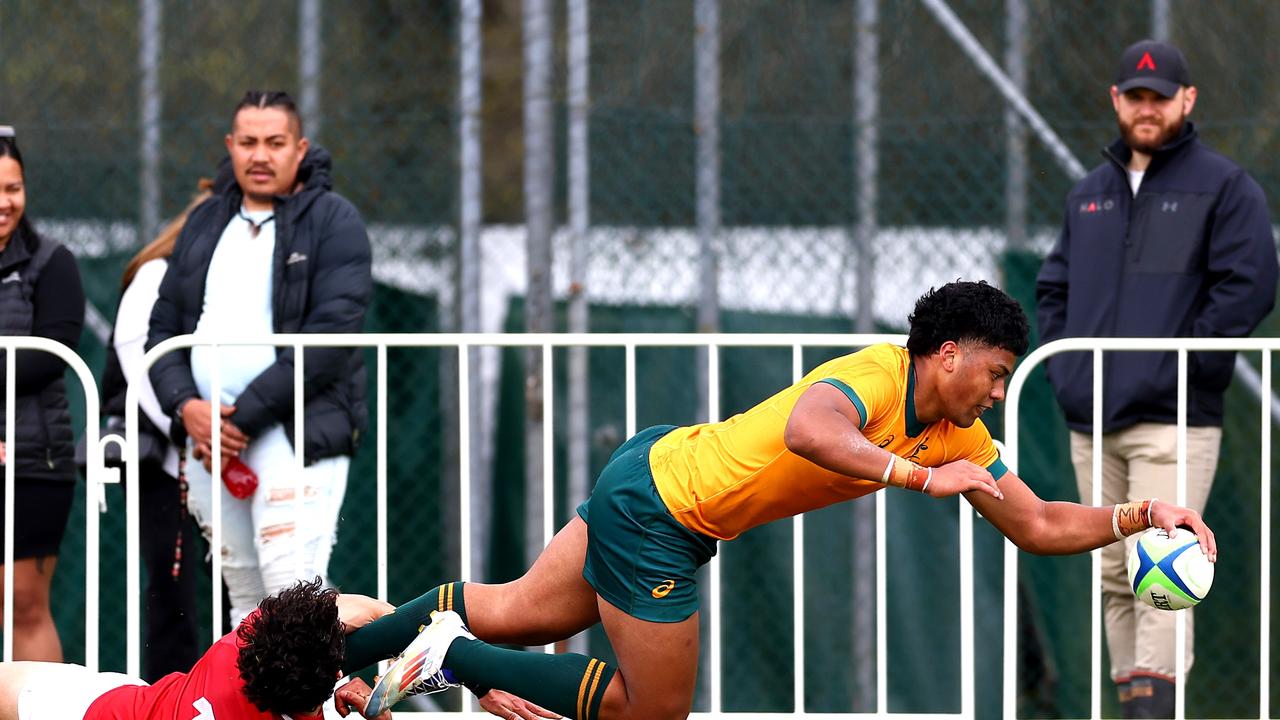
pixel 1154 65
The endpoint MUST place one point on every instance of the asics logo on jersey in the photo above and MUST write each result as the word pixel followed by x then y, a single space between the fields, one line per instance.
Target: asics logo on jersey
pixel 664 589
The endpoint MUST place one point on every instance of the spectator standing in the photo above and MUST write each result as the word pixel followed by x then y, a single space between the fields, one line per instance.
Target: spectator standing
pixel 167 531
pixel 1166 238
pixel 274 250
pixel 40 296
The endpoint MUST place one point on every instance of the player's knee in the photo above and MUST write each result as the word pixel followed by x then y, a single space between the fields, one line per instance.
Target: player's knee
pixel 506 613
pixel 617 706
pixel 29 605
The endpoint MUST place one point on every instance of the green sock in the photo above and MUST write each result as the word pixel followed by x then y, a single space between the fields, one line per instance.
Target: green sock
pixel 569 684
pixel 388 635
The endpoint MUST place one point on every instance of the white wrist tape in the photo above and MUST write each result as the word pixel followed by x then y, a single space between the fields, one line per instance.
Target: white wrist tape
pixel 888 470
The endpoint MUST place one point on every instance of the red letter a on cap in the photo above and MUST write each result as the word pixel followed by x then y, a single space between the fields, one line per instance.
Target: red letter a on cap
pixel 1146 63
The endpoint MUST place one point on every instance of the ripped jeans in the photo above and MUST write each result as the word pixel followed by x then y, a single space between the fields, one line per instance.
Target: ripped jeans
pixel 263 549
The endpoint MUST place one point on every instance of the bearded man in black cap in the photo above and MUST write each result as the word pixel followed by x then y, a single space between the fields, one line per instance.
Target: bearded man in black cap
pixel 1166 238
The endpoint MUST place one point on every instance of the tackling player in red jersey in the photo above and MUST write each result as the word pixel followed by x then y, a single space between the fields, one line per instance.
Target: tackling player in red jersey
pixel 281 663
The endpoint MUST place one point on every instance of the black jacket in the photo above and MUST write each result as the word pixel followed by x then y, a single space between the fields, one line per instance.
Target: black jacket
pixel 321 283
pixel 1190 256
pixel 40 294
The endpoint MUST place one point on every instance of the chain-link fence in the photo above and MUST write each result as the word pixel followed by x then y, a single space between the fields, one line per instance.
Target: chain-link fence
pixel 731 164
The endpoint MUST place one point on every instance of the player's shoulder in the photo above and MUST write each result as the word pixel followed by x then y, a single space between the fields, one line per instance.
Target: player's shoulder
pixel 876 374
pixel 893 359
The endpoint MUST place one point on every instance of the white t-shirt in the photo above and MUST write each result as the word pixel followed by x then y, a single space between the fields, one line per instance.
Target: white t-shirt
pixel 133 319
pixel 1135 180
pixel 237 302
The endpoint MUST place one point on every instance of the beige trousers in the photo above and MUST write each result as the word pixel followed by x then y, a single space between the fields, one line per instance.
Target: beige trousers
pixel 1141 462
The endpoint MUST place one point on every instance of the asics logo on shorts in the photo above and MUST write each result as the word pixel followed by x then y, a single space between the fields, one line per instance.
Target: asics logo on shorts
pixel 664 589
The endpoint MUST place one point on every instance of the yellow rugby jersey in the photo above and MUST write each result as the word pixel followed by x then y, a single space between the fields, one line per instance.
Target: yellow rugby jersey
pixel 722 478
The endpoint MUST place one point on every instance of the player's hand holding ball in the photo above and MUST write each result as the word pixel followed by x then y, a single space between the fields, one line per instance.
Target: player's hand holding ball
pixel 1170 517
pixel 1169 570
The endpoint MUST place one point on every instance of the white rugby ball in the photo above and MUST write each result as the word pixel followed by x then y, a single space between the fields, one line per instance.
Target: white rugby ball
pixel 1169 572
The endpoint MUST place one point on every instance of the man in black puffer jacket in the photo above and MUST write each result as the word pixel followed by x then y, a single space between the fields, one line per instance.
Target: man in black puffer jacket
pixel 1167 238
pixel 274 250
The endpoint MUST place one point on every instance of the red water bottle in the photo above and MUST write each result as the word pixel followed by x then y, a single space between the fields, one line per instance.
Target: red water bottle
pixel 239 478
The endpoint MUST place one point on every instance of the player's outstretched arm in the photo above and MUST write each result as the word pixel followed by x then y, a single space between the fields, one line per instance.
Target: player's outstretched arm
pixel 1063 528
pixel 823 429
pixel 356 611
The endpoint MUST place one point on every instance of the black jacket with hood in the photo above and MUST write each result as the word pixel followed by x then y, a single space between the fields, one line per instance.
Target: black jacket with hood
pixel 40 295
pixel 321 283
pixel 1191 255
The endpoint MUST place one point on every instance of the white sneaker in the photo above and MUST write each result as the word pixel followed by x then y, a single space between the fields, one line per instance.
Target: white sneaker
pixel 417 670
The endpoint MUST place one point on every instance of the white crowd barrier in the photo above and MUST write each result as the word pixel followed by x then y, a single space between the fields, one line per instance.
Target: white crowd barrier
pixel 1097 346
pixel 94 492
pixel 465 344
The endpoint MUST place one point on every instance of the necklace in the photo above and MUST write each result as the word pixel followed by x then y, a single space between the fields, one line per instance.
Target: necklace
pixel 255 227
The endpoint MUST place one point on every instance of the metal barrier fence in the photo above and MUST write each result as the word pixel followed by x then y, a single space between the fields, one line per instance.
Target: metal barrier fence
pixel 1182 346
pixel 97 475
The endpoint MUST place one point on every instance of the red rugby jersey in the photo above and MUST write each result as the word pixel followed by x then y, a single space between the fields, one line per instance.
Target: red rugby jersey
pixel 212 690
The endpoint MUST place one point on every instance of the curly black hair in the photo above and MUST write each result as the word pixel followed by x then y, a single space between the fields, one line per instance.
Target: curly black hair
pixel 292 648
pixel 967 311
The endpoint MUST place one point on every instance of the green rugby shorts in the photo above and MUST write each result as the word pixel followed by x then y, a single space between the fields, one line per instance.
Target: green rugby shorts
pixel 639 558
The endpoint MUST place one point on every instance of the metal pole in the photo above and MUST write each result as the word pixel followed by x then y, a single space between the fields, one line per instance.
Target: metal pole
pixel 579 221
pixel 1015 189
pixel 539 184
pixel 866 94
pixel 149 29
pixel 1159 19
pixel 706 125
pixel 987 66
pixel 469 279
pixel 310 50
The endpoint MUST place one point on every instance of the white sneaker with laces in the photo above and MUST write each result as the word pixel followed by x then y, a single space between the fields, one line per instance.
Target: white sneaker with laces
pixel 418 670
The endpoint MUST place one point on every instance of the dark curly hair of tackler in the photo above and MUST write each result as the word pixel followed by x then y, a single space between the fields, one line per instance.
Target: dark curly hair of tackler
pixel 291 649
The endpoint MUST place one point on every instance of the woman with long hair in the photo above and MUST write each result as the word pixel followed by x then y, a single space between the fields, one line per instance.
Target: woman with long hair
pixel 168 534
pixel 40 296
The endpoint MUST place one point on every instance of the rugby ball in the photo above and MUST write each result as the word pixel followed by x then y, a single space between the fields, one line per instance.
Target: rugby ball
pixel 1169 572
